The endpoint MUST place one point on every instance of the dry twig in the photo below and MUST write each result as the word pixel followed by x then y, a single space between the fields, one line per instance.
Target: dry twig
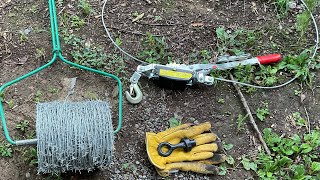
pixel 308 120
pixel 252 121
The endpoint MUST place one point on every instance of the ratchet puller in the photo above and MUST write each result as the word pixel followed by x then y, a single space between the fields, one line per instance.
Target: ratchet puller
pixel 192 74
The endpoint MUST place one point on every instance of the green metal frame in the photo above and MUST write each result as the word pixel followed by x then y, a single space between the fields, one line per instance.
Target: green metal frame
pixel 57 54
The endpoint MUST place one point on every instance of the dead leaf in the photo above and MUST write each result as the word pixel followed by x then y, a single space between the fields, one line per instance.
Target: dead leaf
pixel 140 16
pixel 197 24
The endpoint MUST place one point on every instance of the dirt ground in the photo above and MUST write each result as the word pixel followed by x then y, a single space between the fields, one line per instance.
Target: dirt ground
pixel 195 104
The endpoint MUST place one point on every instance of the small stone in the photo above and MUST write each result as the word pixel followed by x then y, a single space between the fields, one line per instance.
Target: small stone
pixel 27 175
pixel 27 31
pixel 117 171
pixel 292 5
pixel 137 162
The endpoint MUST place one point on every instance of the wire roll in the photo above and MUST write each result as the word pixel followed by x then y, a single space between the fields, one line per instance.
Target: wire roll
pixel 73 136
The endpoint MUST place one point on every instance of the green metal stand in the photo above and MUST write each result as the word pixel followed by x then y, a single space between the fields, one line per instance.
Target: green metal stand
pixel 57 54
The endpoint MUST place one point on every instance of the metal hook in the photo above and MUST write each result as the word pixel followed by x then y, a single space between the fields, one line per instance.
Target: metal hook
pixel 137 99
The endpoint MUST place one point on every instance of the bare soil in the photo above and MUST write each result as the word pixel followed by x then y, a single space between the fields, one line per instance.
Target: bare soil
pixel 195 104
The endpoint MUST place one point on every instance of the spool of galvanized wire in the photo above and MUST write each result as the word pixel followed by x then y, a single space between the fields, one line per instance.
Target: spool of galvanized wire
pixel 73 136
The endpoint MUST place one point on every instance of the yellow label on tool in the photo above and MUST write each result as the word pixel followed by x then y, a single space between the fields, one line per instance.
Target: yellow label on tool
pixel 175 74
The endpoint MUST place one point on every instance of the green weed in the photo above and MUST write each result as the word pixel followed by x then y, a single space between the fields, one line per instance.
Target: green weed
pixel 173 122
pixel 155 50
pixel 298 120
pixel 65 21
pixel 226 146
pixel 85 7
pixel 240 120
pixel 282 7
pixel 23 37
pixel 5 150
pixel 23 125
pixel 230 160
pixel 38 96
pixel 118 41
pixel 295 157
pixel 303 19
pixel 31 134
pixel 30 156
pixel 297 92
pixel 267 75
pixel 53 90
pixel 221 100
pixel 77 22
pixel 312 4
pixel 129 166
pixel 11 104
pixel 245 73
pixel 40 53
pixel 247 164
pixel 222 169
pixel 34 9
pixel 94 56
pixel 235 41
pixel 1 96
pixel 298 65
pixel 204 57
pixel 262 112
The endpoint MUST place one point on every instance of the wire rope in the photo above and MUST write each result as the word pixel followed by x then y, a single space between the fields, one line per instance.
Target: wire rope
pixel 316 46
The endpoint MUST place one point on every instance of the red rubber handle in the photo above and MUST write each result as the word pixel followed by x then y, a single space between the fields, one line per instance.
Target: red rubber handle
pixel 268 59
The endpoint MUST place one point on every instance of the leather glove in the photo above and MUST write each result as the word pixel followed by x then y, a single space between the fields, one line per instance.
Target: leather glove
pixel 201 157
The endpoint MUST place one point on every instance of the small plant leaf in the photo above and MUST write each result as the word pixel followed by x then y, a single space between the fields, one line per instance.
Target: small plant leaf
pixel 230 160
pixel 222 170
pixel 227 147
pixel 315 167
pixel 261 113
pixel 248 165
pixel 173 122
pixel 5 150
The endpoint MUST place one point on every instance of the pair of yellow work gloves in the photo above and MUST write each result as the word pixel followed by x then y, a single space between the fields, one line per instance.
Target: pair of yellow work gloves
pixel 201 158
